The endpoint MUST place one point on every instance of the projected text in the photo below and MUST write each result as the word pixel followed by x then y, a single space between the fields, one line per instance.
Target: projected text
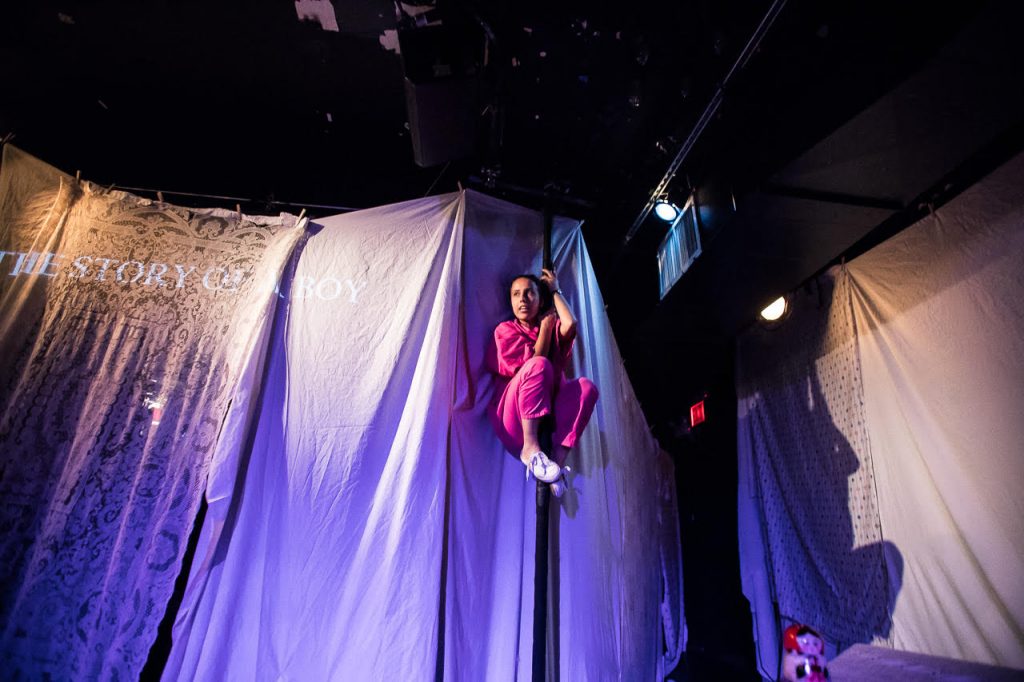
pixel 167 275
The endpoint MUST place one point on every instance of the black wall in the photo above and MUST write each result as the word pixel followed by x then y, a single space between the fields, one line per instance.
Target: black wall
pixel 720 646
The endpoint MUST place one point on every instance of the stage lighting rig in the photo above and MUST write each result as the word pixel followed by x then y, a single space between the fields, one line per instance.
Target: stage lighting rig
pixel 665 209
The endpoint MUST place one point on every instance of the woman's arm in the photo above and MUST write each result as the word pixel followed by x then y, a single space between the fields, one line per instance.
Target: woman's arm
pixel 567 323
pixel 547 328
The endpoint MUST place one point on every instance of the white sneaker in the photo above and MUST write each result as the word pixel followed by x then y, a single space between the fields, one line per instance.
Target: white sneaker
pixel 542 468
pixel 559 486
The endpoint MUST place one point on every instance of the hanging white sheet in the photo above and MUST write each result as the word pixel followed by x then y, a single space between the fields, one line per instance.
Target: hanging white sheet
pixel 940 318
pixel 935 386
pixel 377 530
pixel 124 326
pixel 606 580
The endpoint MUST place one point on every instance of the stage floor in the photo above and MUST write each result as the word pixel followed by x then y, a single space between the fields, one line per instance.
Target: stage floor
pixel 863 663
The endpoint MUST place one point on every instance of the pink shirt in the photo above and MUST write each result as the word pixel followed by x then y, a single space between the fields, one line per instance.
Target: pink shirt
pixel 513 346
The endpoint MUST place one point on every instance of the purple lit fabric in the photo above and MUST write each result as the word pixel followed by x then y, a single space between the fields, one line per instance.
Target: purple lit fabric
pixel 116 370
pixel 376 529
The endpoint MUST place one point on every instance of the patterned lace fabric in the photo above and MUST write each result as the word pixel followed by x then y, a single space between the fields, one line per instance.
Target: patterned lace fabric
pixel 813 469
pixel 125 323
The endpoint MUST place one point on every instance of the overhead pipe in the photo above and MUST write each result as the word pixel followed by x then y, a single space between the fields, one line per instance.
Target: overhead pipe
pixel 709 112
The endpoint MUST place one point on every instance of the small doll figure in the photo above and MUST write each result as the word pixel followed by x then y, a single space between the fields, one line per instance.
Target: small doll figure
pixel 803 655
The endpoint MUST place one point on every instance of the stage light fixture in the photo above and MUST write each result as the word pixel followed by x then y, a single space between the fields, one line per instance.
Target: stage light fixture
pixel 775 310
pixel 666 210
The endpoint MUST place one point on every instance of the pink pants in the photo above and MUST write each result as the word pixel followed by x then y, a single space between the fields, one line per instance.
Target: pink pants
pixel 530 394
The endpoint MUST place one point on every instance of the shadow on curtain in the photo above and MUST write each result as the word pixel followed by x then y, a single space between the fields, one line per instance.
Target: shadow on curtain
pixel 810 531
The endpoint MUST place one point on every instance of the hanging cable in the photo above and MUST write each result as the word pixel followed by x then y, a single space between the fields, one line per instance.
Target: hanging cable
pixel 434 183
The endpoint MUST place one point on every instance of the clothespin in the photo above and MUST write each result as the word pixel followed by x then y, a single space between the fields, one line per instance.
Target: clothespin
pixel 78 177
pixel 160 196
pixel 7 138
pixel 107 190
pixel 459 184
pixel 238 210
pixel 302 214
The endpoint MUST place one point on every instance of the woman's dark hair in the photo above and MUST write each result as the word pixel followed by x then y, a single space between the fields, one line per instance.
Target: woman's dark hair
pixel 544 294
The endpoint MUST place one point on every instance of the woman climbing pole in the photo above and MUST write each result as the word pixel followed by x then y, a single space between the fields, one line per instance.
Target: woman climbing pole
pixel 530 354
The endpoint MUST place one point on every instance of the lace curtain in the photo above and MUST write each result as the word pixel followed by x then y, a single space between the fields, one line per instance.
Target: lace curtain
pixel 125 324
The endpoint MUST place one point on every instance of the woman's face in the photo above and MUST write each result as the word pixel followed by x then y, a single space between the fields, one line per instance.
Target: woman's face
pixel 525 299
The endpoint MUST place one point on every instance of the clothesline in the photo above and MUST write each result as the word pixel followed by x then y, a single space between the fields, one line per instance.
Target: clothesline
pixel 220 197
pixel 200 195
pixel 273 202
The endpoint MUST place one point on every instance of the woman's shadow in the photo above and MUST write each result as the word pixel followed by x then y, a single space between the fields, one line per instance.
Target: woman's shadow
pixel 831 567
pixel 862 572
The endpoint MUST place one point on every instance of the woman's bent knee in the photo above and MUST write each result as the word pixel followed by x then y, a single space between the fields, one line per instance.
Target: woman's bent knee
pixel 588 391
pixel 538 364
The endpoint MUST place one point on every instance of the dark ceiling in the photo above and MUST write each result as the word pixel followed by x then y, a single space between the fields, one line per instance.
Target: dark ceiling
pixel 844 122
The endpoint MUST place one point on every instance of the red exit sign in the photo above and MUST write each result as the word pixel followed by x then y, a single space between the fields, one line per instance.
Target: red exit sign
pixel 697 414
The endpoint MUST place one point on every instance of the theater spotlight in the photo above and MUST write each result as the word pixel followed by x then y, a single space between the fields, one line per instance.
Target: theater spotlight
pixel 666 210
pixel 775 310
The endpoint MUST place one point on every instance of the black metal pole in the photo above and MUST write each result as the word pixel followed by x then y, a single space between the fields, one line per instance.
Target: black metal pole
pixel 549 220
pixel 540 583
pixel 540 557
